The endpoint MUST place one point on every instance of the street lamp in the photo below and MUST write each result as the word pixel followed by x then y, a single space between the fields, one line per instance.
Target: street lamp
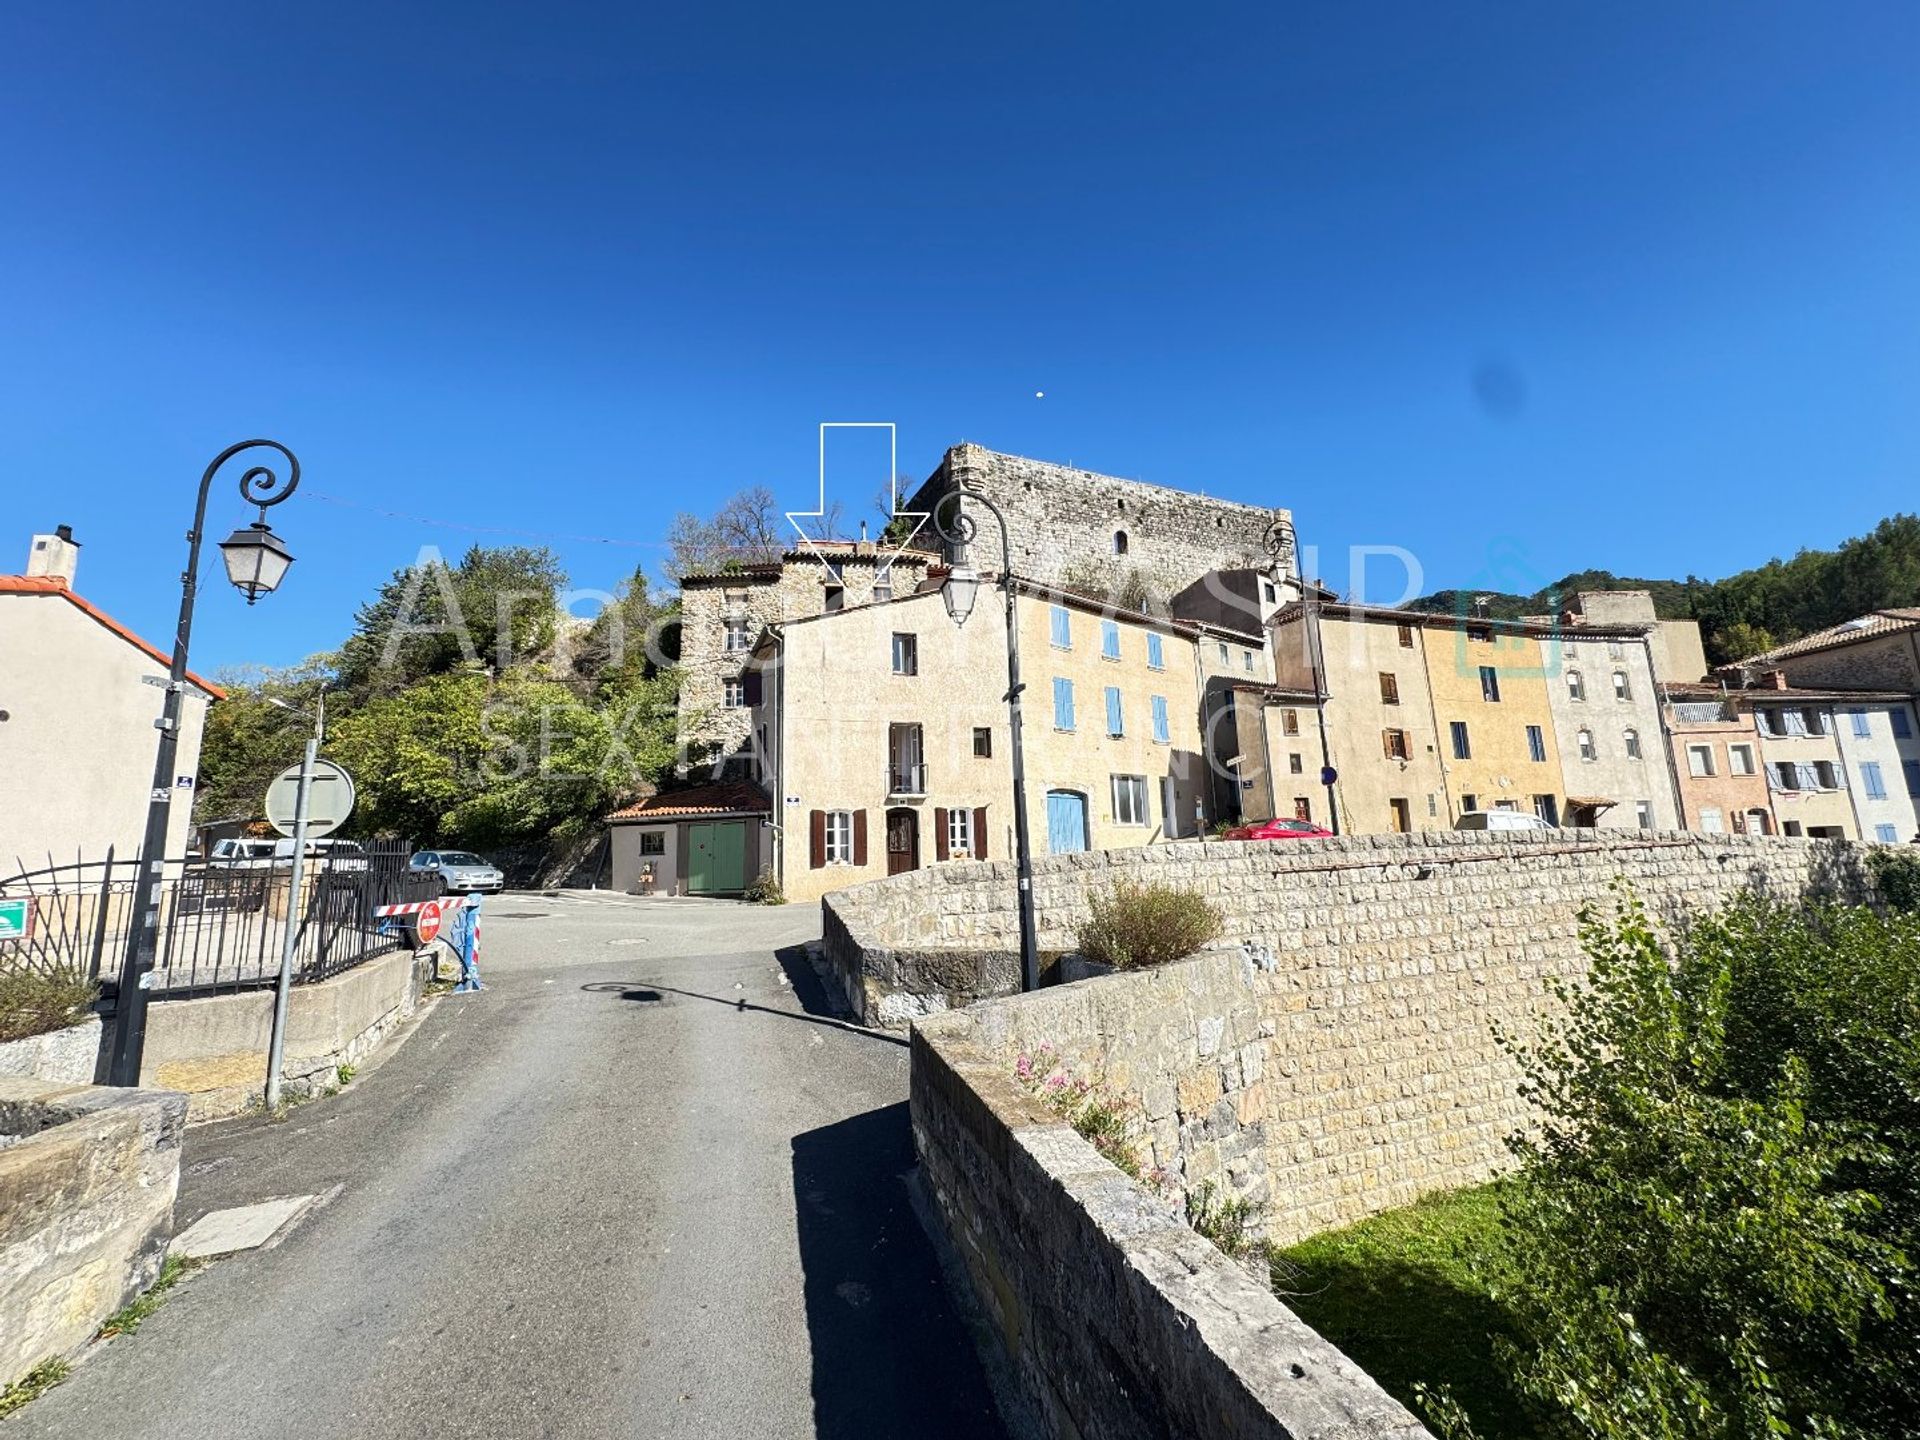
pixel 958 592
pixel 256 561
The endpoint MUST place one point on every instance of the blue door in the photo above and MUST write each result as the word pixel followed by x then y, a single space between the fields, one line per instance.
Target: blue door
pixel 1066 822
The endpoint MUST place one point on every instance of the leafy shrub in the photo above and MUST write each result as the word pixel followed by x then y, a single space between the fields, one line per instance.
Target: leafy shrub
pixel 32 1003
pixel 1719 1210
pixel 1104 1119
pixel 1231 1222
pixel 1897 873
pixel 765 890
pixel 1135 924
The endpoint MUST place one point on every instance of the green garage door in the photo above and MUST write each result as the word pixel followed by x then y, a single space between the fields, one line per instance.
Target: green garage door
pixel 717 858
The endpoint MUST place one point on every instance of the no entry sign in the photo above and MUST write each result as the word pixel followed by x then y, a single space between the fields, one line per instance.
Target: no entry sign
pixel 426 924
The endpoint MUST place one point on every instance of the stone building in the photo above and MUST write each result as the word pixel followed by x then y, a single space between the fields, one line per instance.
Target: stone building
pixel 1601 688
pixel 1879 651
pixel 1716 758
pixel 1139 542
pixel 881 733
pixel 724 612
pixel 77 716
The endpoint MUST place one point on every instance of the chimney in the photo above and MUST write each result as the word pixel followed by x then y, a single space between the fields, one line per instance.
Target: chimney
pixel 1776 680
pixel 56 556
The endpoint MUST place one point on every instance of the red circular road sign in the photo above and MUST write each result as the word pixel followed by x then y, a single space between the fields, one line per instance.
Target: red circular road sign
pixel 426 924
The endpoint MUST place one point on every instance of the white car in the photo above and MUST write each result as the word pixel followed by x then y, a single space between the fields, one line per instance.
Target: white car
pixel 460 871
pixel 1502 820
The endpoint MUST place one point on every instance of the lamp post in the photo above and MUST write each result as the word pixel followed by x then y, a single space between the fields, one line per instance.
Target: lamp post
pixel 256 562
pixel 276 1045
pixel 959 591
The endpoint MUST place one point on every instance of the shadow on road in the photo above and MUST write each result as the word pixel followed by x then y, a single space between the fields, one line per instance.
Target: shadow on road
pixel 890 1357
pixel 807 989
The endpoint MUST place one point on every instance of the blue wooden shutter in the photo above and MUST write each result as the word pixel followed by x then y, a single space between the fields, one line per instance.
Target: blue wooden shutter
pixel 1113 711
pixel 1062 703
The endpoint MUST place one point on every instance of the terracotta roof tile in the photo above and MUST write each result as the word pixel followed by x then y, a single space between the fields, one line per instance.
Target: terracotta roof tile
pixel 1866 627
pixel 54 585
pixel 725 797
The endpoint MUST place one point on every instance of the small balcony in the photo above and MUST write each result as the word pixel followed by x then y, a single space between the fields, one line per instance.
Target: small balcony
pixel 906 765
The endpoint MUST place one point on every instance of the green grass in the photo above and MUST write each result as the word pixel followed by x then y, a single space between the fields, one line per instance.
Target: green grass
pixel 1410 1296
pixel 127 1318
pixel 32 1385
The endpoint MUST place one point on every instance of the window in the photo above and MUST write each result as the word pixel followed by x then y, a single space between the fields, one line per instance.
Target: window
pixel 1389 689
pixel 1246 660
pixel 1621 689
pixel 1861 725
pixel 1062 703
pixel 1827 775
pixel 1771 722
pixel 1110 639
pixel 1162 732
pixel 1225 658
pixel 1295 765
pixel 959 832
pixel 653 842
pixel 1786 775
pixel 1710 821
pixel 1547 807
pixel 1886 834
pixel 1115 726
pixel 982 742
pixel 1902 727
pixel 733 694
pixel 906 760
pixel 1267 591
pixel 1615 650
pixel 1643 813
pixel 1700 760
pixel 1739 759
pixel 1119 542
pixel 1536 744
pixel 1156 655
pixel 1302 808
pixel 739 637
pixel 1817 722
pixel 835 599
pixel 883 583
pixel 1406 637
pixel 1394 743
pixel 1872 781
pixel 733 599
pixel 1130 800
pixel 1587 750
pixel 1576 687
pixel 1289 722
pixel 1489 683
pixel 1469 802
pixel 1062 627
pixel 1480 634
pixel 839 837
pixel 906 654
pixel 1462 748
pixel 1399 816
pixel 1631 739
pixel 1912 771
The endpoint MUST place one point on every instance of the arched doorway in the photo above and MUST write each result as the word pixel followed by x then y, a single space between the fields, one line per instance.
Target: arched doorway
pixel 903 840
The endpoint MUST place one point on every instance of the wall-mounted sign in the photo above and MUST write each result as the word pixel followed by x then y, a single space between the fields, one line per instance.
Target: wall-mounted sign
pixel 16 918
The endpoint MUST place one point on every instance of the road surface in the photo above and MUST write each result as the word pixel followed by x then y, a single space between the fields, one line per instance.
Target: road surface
pixel 631 1189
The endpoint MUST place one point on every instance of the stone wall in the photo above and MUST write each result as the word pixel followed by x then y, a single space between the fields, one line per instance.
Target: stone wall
pixel 87 1181
pixel 1117 1320
pixel 1063 522
pixel 68 1056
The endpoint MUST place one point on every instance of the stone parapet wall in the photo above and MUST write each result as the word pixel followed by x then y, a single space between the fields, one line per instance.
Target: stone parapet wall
pixel 69 1056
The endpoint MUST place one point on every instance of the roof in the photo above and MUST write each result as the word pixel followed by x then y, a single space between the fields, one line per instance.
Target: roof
pixel 1277 694
pixel 54 585
pixel 1770 695
pixel 1867 627
pixel 724 797
pixel 1446 620
pixel 861 552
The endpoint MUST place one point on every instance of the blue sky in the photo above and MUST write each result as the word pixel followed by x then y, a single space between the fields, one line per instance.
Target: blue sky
pixel 1619 285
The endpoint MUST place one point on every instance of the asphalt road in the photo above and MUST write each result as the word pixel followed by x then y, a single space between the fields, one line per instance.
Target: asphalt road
pixel 632 1189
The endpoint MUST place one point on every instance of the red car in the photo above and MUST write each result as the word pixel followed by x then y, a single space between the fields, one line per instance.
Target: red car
pixel 1278 829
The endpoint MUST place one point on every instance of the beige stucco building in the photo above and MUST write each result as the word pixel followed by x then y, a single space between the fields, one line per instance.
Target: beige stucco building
pixel 881 734
pixel 77 716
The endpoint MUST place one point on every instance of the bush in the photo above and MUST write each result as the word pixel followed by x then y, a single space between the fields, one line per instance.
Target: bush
pixel 1897 874
pixel 1719 1210
pixel 765 890
pixel 1135 924
pixel 32 1003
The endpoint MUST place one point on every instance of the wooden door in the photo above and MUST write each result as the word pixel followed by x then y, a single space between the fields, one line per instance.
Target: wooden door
pixel 903 841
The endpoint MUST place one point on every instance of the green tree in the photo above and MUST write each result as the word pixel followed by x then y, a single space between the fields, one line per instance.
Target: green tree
pixel 248 740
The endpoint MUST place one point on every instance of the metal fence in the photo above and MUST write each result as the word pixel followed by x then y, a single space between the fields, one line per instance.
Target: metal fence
pixel 221 925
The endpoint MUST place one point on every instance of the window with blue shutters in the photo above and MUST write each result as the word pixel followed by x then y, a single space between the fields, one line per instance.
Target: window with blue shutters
pixel 1161 732
pixel 1536 744
pixel 1886 834
pixel 1462 750
pixel 1062 627
pixel 1156 658
pixel 1062 703
pixel 1870 778
pixel 1114 726
pixel 1861 725
pixel 1110 639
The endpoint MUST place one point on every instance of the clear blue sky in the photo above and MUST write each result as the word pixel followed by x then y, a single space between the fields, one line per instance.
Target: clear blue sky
pixel 1619 285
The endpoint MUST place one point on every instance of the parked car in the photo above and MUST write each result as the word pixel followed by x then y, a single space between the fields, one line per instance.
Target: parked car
pixel 235 854
pixel 1502 820
pixel 461 872
pixel 339 854
pixel 1278 829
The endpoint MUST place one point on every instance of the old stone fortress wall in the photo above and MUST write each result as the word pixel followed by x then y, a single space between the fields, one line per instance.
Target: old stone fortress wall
pixel 1336 1058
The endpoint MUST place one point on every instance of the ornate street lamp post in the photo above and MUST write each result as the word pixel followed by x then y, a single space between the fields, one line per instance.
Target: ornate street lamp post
pixel 256 562
pixel 960 589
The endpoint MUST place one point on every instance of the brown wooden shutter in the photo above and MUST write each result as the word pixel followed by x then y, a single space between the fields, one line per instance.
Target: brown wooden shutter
pixel 750 687
pixel 859 837
pixel 980 833
pixel 816 839
pixel 939 834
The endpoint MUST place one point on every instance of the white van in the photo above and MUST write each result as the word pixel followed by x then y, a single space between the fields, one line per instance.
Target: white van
pixel 1502 820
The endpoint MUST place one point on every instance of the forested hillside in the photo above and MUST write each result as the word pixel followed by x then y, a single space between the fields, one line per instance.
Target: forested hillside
pixel 1755 609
